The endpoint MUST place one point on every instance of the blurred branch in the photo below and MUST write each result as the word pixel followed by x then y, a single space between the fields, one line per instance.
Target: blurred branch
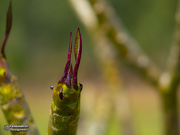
pixel 99 17
pixel 107 57
pixel 169 82
pixel 12 100
pixel 120 109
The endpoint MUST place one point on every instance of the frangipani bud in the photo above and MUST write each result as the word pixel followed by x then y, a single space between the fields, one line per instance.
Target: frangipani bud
pixel 65 107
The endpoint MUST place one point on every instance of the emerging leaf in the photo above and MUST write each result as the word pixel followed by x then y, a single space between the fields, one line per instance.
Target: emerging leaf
pixel 68 73
pixel 65 107
pixel 8 28
pixel 77 53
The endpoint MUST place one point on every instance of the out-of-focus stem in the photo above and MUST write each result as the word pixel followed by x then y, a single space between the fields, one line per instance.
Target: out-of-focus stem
pixel 12 100
pixel 169 82
pixel 107 57
pixel 168 87
pixel 170 107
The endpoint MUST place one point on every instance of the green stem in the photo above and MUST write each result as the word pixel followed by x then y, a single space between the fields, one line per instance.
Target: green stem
pixel 169 89
pixel 169 98
pixel 170 107
pixel 61 123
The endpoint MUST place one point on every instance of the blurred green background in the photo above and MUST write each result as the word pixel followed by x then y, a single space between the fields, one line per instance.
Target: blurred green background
pixel 37 49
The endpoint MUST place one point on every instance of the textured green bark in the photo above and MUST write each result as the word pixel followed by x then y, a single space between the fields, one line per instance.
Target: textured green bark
pixel 13 103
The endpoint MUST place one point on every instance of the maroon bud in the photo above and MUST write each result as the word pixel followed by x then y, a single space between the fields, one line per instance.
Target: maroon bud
pixel 70 74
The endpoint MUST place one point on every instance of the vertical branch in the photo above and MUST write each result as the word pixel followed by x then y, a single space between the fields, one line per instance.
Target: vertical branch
pixel 168 86
pixel 170 111
pixel 169 82
pixel 107 57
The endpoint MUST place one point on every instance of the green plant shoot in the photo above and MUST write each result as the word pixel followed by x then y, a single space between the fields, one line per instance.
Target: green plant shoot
pixel 65 107
pixel 12 101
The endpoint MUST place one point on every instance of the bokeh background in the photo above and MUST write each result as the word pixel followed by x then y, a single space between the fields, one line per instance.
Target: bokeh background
pixel 37 49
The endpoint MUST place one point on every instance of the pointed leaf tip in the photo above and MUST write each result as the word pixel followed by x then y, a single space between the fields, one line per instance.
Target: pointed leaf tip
pixel 68 63
pixel 77 53
pixel 69 72
pixel 70 47
pixel 9 18
pixel 77 44
pixel 8 28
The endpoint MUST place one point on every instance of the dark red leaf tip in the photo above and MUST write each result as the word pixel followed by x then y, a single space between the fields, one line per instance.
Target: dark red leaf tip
pixel 8 28
pixel 68 63
pixel 69 72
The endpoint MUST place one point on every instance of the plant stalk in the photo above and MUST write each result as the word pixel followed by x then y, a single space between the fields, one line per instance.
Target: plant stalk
pixel 170 107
